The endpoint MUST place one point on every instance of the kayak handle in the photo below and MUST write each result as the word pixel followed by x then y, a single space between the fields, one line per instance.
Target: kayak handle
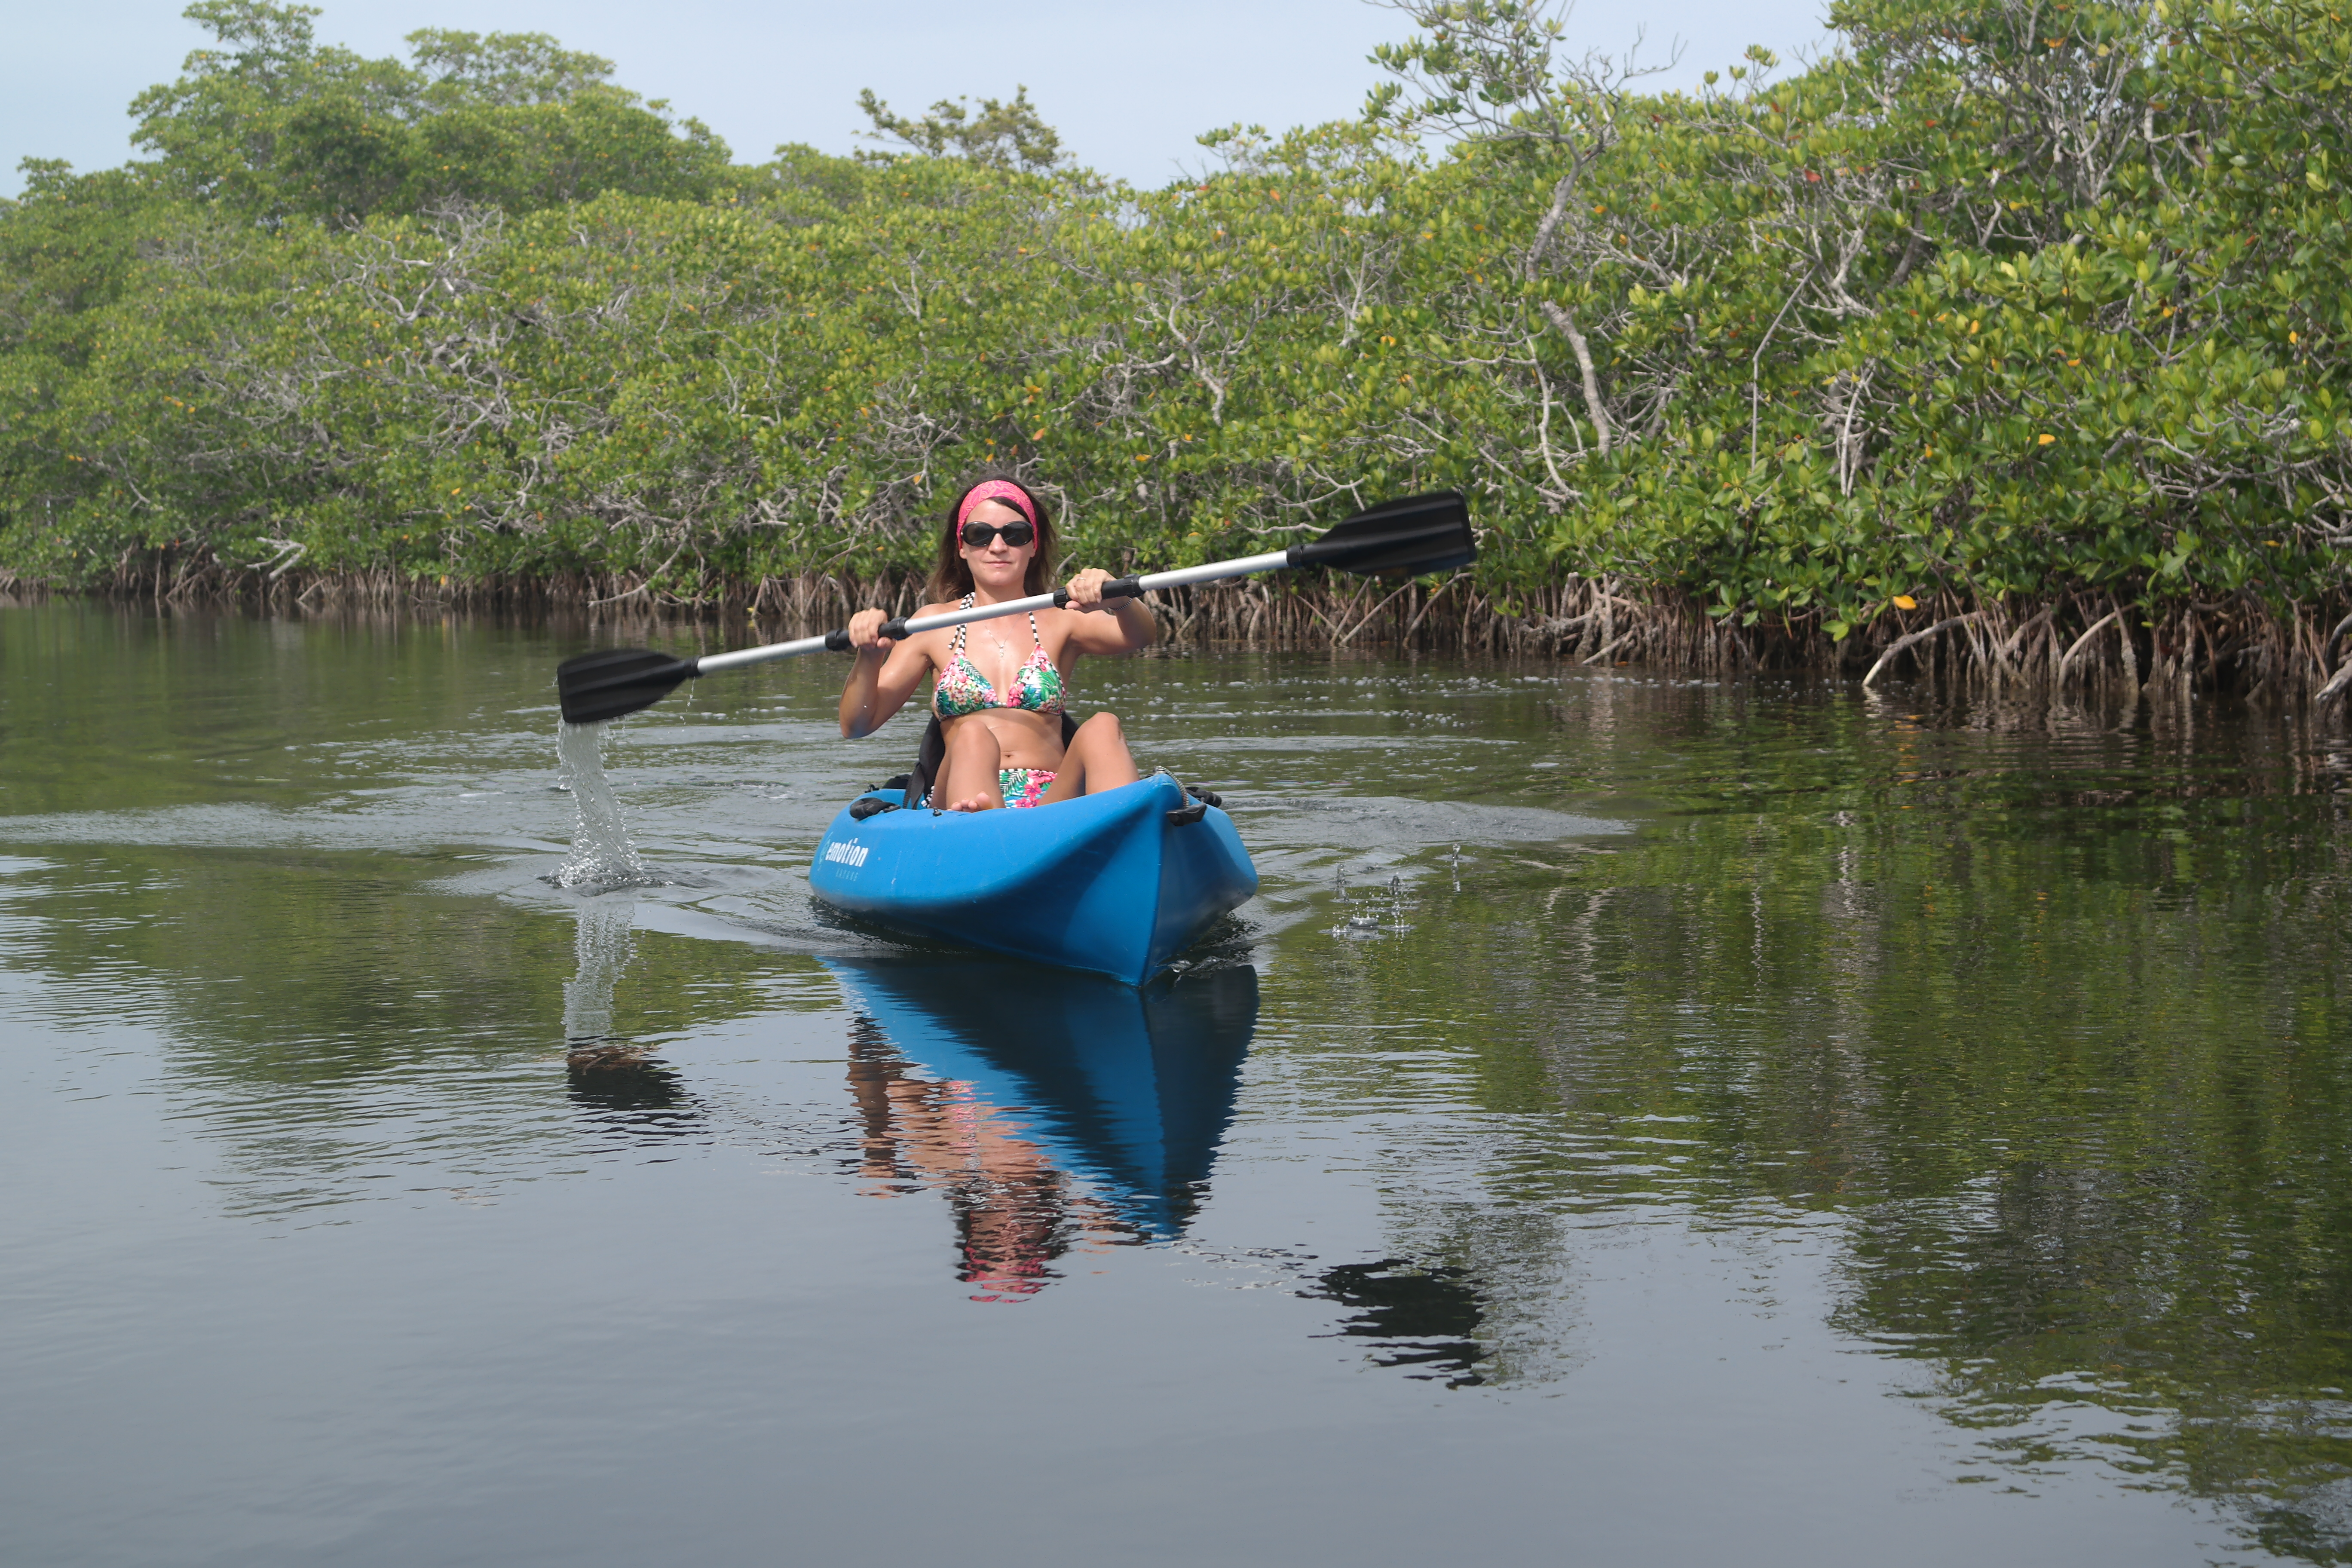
pixel 1195 808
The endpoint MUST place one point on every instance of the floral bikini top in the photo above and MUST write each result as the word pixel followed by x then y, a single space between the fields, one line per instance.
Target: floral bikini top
pixel 961 688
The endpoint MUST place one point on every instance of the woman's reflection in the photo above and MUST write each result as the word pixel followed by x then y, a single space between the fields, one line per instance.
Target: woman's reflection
pixel 1056 1113
pixel 1015 1213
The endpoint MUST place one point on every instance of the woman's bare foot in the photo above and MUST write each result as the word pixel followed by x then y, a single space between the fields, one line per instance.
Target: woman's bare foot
pixel 978 802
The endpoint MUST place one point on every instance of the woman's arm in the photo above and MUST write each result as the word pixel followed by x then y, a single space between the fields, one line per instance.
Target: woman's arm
pixel 885 675
pixel 1115 626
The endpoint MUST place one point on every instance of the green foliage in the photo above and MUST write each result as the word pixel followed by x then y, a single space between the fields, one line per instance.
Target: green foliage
pixel 273 124
pixel 1995 301
pixel 999 136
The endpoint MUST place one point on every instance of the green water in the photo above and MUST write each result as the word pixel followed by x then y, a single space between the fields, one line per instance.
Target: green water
pixel 1679 1120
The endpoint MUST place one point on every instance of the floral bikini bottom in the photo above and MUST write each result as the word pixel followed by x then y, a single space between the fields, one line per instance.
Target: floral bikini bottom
pixel 1018 786
pixel 1023 786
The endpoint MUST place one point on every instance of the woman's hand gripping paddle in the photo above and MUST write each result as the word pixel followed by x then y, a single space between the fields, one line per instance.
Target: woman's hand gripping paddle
pixel 1416 535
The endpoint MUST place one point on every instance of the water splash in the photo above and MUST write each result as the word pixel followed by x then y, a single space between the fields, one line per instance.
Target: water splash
pixel 1372 922
pixel 602 856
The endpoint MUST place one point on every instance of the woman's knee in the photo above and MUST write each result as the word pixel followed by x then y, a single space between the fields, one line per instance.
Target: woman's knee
pixel 973 741
pixel 1099 755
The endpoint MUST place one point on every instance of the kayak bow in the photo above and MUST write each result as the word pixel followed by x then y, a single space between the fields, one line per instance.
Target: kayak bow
pixel 1116 883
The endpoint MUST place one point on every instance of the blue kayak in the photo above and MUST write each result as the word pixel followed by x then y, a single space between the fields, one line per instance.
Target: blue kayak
pixel 1115 883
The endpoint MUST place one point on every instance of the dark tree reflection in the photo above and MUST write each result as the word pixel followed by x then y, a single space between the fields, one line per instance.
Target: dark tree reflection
pixel 1426 1319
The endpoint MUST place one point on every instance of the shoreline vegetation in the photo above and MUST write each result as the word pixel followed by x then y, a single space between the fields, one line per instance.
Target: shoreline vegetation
pixel 2082 647
pixel 2004 344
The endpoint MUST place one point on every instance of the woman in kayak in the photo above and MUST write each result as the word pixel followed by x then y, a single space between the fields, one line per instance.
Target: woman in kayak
pixel 998 692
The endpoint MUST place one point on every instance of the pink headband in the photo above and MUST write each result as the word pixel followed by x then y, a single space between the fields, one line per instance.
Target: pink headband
pixel 1010 494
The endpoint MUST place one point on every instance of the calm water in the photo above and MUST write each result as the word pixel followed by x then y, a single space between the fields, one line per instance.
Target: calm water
pixel 1641 1120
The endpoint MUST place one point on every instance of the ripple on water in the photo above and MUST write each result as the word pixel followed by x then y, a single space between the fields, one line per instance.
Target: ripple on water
pixel 1394 822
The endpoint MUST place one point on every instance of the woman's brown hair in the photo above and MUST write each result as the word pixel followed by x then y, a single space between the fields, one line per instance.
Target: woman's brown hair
pixel 951 574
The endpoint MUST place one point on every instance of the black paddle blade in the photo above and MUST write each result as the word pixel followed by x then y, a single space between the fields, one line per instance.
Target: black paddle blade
pixel 600 686
pixel 1417 534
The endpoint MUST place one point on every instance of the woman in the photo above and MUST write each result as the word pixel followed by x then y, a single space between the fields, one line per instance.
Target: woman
pixel 999 684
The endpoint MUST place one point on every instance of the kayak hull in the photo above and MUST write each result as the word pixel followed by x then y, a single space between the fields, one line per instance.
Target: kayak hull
pixel 1116 883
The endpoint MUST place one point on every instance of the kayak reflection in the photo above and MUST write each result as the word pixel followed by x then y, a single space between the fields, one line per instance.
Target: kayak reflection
pixel 1056 1112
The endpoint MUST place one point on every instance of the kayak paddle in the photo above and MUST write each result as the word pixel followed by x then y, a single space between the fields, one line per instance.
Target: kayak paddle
pixel 1415 535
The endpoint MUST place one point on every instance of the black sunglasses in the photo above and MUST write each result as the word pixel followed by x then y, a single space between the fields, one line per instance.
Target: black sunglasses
pixel 980 535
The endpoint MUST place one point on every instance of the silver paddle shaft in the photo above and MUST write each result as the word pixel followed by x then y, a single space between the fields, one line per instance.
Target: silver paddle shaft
pixel 710 662
pixel 1216 571
pixel 838 642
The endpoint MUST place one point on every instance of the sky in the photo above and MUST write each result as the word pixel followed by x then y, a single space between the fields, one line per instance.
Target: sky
pixel 1129 85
